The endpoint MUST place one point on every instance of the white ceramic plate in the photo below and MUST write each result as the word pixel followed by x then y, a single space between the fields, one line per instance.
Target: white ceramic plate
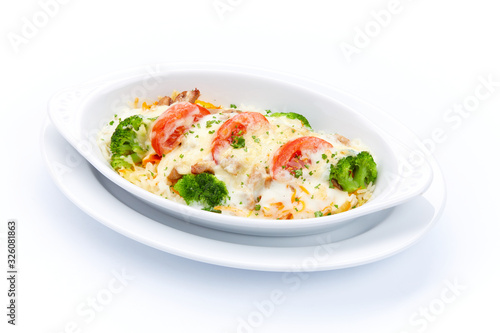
pixel 79 112
pixel 369 238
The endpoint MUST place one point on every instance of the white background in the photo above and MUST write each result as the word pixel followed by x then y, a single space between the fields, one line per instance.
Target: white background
pixel 426 59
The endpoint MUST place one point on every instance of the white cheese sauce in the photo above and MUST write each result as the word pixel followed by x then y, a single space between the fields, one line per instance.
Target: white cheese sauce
pixel 246 171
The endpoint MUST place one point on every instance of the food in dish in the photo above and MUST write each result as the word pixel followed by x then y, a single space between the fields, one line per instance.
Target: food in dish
pixel 238 160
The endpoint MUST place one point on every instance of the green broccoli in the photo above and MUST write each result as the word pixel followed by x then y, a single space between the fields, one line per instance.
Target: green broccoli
pixel 128 142
pixel 203 188
pixel 293 115
pixel 353 172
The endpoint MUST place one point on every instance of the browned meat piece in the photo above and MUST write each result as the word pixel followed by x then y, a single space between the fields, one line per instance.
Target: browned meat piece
pixel 188 96
pixel 201 167
pixel 259 178
pixel 231 165
pixel 268 181
pixel 174 176
pixel 342 139
pixel 336 184
pixel 165 101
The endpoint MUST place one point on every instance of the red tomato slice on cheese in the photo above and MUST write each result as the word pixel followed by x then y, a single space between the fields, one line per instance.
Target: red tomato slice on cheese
pixel 294 154
pixel 233 129
pixel 168 129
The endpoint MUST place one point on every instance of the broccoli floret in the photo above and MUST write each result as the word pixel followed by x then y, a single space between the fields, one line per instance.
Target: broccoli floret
pixel 203 188
pixel 353 172
pixel 119 162
pixel 127 140
pixel 293 115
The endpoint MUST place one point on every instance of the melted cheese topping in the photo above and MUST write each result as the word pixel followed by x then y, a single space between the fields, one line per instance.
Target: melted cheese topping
pixel 246 171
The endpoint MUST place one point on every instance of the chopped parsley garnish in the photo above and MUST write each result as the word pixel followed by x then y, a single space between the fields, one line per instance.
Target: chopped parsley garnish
pixel 298 173
pixel 257 207
pixel 232 106
pixel 318 214
pixel 238 142
pixel 256 139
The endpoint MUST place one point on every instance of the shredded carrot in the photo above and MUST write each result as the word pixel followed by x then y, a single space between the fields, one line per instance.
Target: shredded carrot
pixel 265 211
pixel 304 189
pixel 303 205
pixel 136 102
pixel 145 106
pixel 286 215
pixel 207 105
pixel 296 200
pixel 278 205
pixel 292 199
pixel 327 211
pixel 153 158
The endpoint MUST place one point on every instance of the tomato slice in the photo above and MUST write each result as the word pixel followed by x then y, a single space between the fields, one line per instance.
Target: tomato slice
pixel 233 129
pixel 294 154
pixel 168 129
